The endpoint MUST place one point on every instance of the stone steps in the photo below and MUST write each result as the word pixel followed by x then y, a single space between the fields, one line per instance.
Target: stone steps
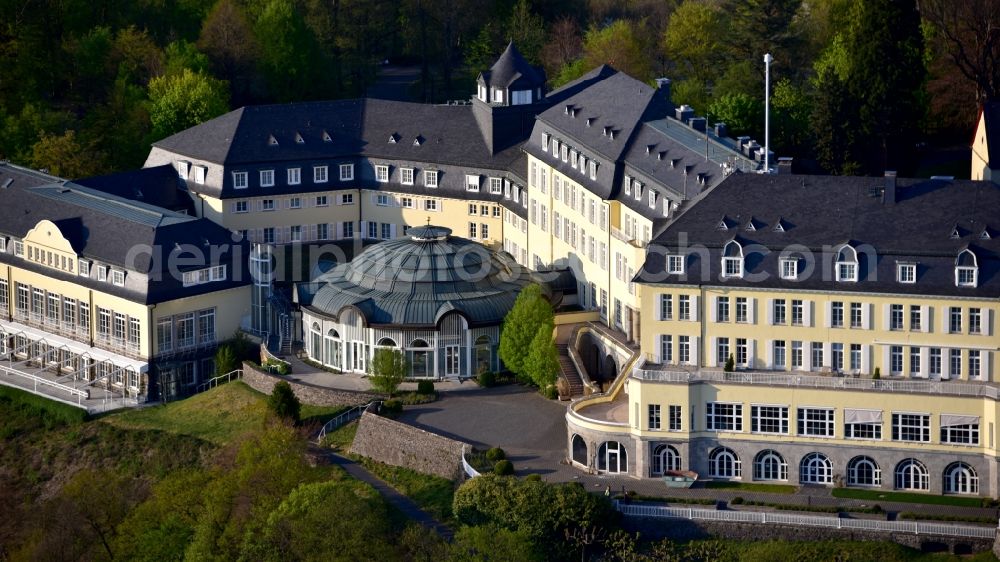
pixel 569 372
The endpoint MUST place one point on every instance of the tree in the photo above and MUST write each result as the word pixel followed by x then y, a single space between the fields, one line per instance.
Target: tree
pixel 531 310
pixel 527 30
pixel 228 40
pixel 692 41
pixel 968 31
pixel 387 370
pixel 492 544
pixel 867 113
pixel 730 365
pixel 283 402
pixel 66 155
pixel 620 45
pixel 756 27
pixel 181 101
pixel 563 47
pixel 225 360
pixel 542 362
pixel 740 112
pixel 290 58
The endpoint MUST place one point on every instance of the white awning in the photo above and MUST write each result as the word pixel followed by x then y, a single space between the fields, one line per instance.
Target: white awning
pixel 862 416
pixel 15 328
pixel 951 420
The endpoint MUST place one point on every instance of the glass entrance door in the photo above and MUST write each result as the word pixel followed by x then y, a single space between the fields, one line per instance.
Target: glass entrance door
pixel 452 360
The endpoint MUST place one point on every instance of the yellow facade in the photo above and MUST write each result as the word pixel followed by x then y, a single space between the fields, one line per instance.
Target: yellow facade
pixel 981 153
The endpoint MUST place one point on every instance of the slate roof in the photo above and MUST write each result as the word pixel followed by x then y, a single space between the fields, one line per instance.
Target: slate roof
pixel 415 280
pixel 511 70
pixel 818 213
pixel 159 186
pixel 109 229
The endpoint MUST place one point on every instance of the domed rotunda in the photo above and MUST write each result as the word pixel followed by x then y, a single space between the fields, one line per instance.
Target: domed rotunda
pixel 439 298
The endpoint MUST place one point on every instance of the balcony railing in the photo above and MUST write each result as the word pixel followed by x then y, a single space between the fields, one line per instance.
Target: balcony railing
pixel 798 380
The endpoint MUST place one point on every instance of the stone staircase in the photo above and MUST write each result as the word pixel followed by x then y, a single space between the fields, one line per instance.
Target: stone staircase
pixel 568 371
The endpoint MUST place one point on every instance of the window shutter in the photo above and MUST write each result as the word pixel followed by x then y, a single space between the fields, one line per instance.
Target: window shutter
pixel 232 207
pixel 392 231
pixel 751 353
pixel 752 310
pixel 807 356
pixel 287 234
pixel 886 363
pixel 715 308
pixel 987 321
pixel 259 235
pixel 695 358
pixel 925 357
pixel 986 365
pixel 770 312
pixel 769 354
pixel 694 308
pixel 866 358
pixel 807 313
pixel 925 318
pixel 828 318
pixel 712 352
pixel 827 354
pixel 945 363
pixel 944 320
pixel 886 317
pixel 364 229
pixel 866 315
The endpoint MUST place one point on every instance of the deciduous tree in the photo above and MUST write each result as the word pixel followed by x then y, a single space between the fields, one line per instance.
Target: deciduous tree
pixel 387 370
pixel 184 100
pixel 531 311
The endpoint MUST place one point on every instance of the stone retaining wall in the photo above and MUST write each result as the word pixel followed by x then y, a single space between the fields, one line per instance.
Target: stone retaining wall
pixel 397 444
pixel 306 393
pixel 683 529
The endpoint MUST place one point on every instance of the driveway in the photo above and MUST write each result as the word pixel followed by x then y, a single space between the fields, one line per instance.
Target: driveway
pixel 531 429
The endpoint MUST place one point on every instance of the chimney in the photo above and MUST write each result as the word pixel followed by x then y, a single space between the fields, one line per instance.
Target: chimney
pixel 785 165
pixel 721 130
pixel 683 113
pixel 697 123
pixel 890 187
pixel 663 85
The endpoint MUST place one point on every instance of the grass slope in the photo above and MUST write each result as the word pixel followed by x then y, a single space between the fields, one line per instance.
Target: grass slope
pixel 880 496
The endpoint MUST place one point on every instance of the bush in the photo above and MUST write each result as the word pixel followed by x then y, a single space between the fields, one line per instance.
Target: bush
pixel 278 367
pixel 877 374
pixel 425 387
pixel 486 379
pixel 533 478
pixel 730 364
pixel 736 501
pixel 391 408
pixel 503 468
pixel 550 392
pixel 496 454
pixel 225 360
pixel 284 403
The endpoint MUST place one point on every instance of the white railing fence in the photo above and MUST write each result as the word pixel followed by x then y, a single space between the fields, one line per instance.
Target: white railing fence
pixel 805 380
pixel 469 471
pixel 764 517
pixel 79 395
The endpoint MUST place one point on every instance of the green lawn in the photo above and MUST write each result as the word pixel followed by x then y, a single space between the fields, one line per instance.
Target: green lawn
pixel 748 487
pixel 876 496
pixel 432 493
pixel 340 440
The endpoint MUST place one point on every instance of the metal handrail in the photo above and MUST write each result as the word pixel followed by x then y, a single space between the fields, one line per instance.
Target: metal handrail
pixel 343 419
pixel 81 395
pixel 214 382
pixel 469 471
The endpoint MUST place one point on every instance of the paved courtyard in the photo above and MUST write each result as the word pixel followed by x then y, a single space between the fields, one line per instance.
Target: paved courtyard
pixel 531 429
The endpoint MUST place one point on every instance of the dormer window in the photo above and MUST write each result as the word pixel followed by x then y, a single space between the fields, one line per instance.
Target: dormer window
pixel 906 272
pixel 593 170
pixel 847 264
pixel 545 142
pixel 271 141
pixel 966 269
pixel 382 173
pixel 675 264
pixel 266 178
pixel 346 172
pixel 789 268
pixel 239 180
pixel 652 199
pixel 628 185
pixel 327 137
pixel 393 138
pixel 182 169
pixel 564 152
pixel 431 178
pixel 406 176
pixel 638 191
pixel 732 260
pixel 299 139
pixel 471 182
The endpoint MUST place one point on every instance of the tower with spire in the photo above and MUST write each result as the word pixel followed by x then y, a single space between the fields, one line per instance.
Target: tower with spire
pixel 508 97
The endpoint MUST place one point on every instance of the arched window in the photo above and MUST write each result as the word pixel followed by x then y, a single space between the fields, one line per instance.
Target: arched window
pixel 847 263
pixel 484 354
pixel 418 343
pixel 612 457
pixel 911 474
pixel 863 471
pixel 966 269
pixel 316 340
pixel 732 260
pixel 483 340
pixel 815 468
pixel 334 349
pixel 579 450
pixel 960 478
pixel 421 359
pixel 769 465
pixel 665 458
pixel 724 463
pixel 386 342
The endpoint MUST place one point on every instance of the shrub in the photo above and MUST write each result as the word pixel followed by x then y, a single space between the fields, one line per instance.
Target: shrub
pixel 550 392
pixel 496 454
pixel 877 374
pixel 486 379
pixel 387 369
pixel 730 364
pixel 425 387
pixel 503 468
pixel 533 478
pixel 736 501
pixel 391 407
pixel 225 360
pixel 284 403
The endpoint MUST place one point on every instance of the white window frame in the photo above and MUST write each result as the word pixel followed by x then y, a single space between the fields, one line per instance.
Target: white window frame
pixel 294 176
pixel 906 273
pixel 346 172
pixel 431 178
pixel 266 178
pixel 789 269
pixel 382 173
pixel 472 182
pixel 240 180
pixel 406 176
pixel 320 174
